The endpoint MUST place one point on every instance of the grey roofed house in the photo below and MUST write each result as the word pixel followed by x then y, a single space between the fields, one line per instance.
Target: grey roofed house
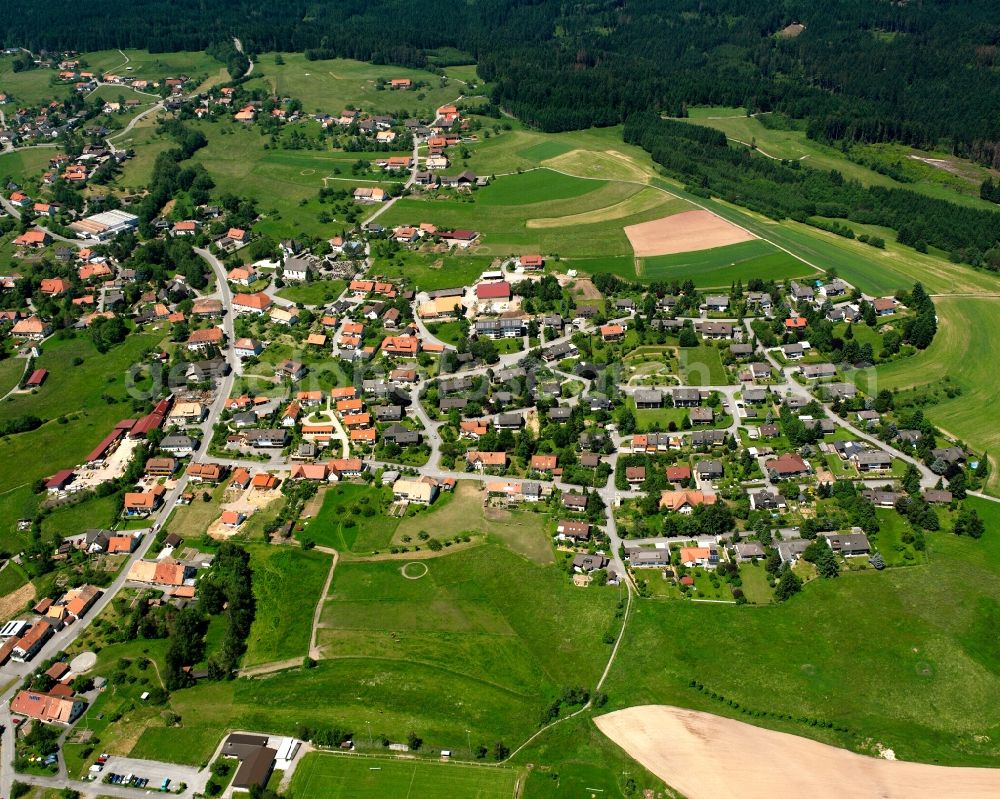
pixel 841 390
pixel 244 419
pixel 502 398
pixel 825 425
pixel 564 349
pixel 388 413
pixel 574 501
pixel 648 398
pixel 686 396
pixel 511 373
pixel 380 388
pixel 760 371
pixel 710 469
pixel 208 370
pixel 179 443
pixel 452 403
pixel 240 744
pixel 795 403
pixel 848 543
pixel 715 329
pixel 508 421
pixel 306 450
pixel 815 370
pixel 874 459
pixel 456 292
pixel 765 500
pixel 455 384
pixel 755 395
pixel 791 551
pixel 589 563
pixel 793 351
pixel 884 499
pixel 550 388
pixel 560 413
pixel 800 292
pixel 531 490
pixel 740 350
pixel 625 304
pixel 645 558
pixel 949 454
pixel 668 324
pixel 707 437
pixel 267 437
pixel 591 460
pixel 937 495
pixel 553 320
pixel 598 403
pixel 720 301
pixel 748 550
pixel 701 415
pixel 401 435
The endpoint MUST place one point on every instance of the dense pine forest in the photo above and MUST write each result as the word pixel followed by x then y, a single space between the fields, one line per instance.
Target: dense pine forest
pixel 924 73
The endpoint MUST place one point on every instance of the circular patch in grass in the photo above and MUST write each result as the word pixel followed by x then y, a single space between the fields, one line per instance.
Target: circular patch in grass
pixel 925 669
pixel 308 172
pixel 411 574
pixel 83 662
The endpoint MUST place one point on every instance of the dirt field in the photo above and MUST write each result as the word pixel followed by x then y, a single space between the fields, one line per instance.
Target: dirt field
pixel 685 748
pixel 14 602
pixel 684 232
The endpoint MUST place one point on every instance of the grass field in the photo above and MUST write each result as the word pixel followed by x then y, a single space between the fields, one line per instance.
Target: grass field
pixel 94 512
pixel 432 271
pixel 12 577
pixel 24 166
pixel 702 366
pixel 538 185
pixel 335 84
pixel 78 393
pixel 152 66
pixel 11 370
pixel 522 531
pixel 720 266
pixel 287 584
pixel 328 776
pixel 352 519
pixel 794 145
pixel 30 87
pixel 906 657
pixel 967 359
pixel 318 292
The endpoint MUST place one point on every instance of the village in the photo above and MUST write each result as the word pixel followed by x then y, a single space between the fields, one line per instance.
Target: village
pixel 681 444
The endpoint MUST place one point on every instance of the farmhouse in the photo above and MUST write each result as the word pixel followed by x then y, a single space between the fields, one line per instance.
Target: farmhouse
pixel 419 492
pixel 254 304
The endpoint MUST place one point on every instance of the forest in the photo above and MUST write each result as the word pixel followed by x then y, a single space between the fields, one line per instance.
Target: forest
pixel 868 70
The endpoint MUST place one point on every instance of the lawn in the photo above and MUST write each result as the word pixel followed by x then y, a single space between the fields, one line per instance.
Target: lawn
pixel 329 776
pixel 966 360
pixel 539 185
pixel 721 266
pixel 22 166
pixel 448 332
pixel 658 418
pixel 30 87
pixel 318 292
pixel 191 521
pixel 352 519
pixel 11 370
pixel 12 577
pixel 152 66
pixel 523 531
pixel 702 366
pixel 907 657
pixel 72 519
pixel 432 271
pixel 287 584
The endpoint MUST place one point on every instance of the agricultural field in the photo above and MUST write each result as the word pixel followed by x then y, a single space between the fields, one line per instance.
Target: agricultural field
pixel 938 175
pixel 287 584
pixel 587 225
pixel 329 776
pixel 154 66
pixel 921 673
pixel 333 85
pixel 720 266
pixel 959 360
pixel 30 87
pixel 25 167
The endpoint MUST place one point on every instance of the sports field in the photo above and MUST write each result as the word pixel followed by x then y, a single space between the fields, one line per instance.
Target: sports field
pixel 328 776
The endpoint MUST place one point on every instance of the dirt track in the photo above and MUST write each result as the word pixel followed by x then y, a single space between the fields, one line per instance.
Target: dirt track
pixel 684 232
pixel 707 757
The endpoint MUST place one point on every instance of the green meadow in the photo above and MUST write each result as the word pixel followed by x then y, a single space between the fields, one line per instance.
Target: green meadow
pixel 330 776
pixel 920 675
pixel 721 266
pixel 432 271
pixel 287 584
pixel 333 85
